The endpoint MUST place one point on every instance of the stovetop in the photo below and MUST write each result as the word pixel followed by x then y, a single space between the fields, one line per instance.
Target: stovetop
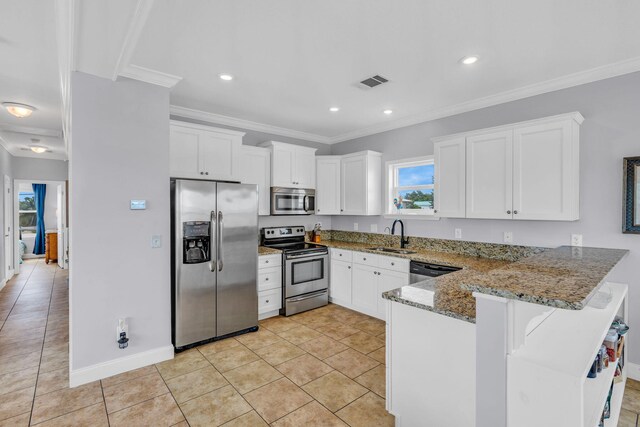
pixel 293 246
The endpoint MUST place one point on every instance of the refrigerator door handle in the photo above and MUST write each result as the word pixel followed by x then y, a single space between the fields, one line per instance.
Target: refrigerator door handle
pixel 213 249
pixel 220 227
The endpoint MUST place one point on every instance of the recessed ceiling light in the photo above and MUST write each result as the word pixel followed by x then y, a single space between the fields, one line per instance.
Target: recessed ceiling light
pixel 18 110
pixel 387 112
pixel 226 77
pixel 334 109
pixel 468 60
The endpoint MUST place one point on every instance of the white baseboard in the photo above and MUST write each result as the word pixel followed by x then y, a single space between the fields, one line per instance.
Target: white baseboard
pixel 117 366
pixel 4 282
pixel 633 371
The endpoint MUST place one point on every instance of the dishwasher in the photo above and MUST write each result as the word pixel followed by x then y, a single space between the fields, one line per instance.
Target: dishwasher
pixel 420 271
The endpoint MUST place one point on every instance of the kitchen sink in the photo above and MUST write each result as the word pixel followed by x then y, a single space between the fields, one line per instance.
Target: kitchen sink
pixel 392 250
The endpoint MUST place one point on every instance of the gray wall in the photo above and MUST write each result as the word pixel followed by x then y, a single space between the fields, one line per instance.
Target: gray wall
pixel 611 131
pixel 120 138
pixel 40 169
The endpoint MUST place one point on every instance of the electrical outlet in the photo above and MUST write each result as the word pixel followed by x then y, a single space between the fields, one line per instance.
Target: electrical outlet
pixel 122 326
pixel 458 233
pixel 508 237
pixel 355 226
pixel 374 228
pixel 156 241
pixel 576 240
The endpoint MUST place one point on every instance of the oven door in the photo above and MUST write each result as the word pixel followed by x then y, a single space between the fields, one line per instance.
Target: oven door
pixel 305 273
pixel 290 201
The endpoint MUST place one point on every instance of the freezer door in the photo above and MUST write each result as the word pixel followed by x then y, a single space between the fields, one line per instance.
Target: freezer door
pixel 194 278
pixel 237 260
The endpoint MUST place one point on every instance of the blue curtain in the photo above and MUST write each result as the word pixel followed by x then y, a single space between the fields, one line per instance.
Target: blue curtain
pixel 40 191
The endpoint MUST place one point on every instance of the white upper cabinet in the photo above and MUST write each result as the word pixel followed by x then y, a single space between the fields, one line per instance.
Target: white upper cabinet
pixel 328 185
pixel 489 175
pixel 292 166
pixel 204 152
pixel 546 171
pixel 255 168
pixel 361 180
pixel 527 171
pixel 449 177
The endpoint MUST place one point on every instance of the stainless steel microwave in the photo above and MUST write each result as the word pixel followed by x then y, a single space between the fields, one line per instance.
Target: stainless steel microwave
pixel 292 201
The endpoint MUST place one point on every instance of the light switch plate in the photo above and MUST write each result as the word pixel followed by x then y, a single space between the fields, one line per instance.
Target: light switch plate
pixel 508 237
pixel 576 240
pixel 458 233
pixel 156 241
pixel 355 226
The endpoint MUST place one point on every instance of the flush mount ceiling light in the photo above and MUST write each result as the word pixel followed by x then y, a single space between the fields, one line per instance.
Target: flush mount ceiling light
pixel 334 109
pixel 18 110
pixel 38 149
pixel 468 60
pixel 388 112
pixel 226 77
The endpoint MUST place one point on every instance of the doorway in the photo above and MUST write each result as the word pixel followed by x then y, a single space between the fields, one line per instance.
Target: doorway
pixel 24 220
pixel 8 235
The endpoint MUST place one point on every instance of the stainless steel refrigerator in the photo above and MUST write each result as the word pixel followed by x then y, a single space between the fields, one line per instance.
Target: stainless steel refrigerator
pixel 214 260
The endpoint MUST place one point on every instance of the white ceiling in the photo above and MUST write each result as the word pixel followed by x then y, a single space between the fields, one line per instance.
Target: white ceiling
pixel 29 75
pixel 294 59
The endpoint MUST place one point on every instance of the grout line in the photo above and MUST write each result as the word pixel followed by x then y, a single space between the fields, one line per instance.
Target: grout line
pixel 171 393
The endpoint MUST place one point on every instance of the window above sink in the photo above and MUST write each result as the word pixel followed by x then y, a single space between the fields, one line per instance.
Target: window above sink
pixel 410 186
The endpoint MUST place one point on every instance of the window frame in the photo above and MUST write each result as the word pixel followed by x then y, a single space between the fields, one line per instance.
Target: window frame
pixel 393 188
pixel 23 229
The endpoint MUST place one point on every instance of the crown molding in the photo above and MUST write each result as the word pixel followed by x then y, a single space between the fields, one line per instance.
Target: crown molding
pixel 564 82
pixel 219 119
pixel 52 133
pixel 138 21
pixel 150 76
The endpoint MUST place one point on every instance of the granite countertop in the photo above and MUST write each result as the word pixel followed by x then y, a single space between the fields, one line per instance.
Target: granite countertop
pixel 564 277
pixel 263 250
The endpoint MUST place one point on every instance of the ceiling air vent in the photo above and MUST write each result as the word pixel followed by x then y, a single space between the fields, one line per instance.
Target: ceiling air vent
pixel 374 81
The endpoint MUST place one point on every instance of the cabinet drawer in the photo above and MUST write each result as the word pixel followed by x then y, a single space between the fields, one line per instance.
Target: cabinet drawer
pixel 269 300
pixel 265 261
pixel 341 255
pixel 365 259
pixel 395 264
pixel 269 278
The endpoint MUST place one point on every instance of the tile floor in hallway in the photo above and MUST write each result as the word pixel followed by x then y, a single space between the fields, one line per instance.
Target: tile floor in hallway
pixel 320 368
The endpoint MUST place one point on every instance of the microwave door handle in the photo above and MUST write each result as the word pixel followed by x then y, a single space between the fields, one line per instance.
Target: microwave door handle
pixel 220 228
pixel 305 203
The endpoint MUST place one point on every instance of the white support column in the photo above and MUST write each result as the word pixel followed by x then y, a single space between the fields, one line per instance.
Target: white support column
pixel 491 360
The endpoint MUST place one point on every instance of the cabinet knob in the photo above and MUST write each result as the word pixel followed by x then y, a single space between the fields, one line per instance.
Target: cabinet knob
pixel 267 301
pixel 266 279
pixel 341 210
pixel 435 211
pixel 393 263
pixel 201 173
pixel 515 212
pixel 509 212
pixel 266 262
pixel 364 259
pixel 206 173
pixel 349 267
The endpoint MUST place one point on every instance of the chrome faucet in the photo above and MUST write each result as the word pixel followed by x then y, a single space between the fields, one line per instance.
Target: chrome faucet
pixel 403 241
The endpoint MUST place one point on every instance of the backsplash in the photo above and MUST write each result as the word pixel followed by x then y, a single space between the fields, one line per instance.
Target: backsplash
pixel 480 249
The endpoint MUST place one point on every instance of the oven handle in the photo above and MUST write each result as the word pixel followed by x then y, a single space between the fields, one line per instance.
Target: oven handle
pixel 311 255
pixel 308 296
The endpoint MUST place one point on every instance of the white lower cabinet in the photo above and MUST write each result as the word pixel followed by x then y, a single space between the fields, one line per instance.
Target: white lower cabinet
pixel 358 279
pixel 269 285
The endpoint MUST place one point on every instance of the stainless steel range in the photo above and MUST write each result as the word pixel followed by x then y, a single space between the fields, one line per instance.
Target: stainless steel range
pixel 305 269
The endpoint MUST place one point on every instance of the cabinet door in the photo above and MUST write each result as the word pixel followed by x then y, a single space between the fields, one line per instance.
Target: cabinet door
pixel 543 172
pixel 354 186
pixel 255 168
pixel 219 156
pixel 340 283
pixel 183 153
pixel 489 175
pixel 328 186
pixel 449 185
pixel 388 280
pixel 305 169
pixel 282 171
pixel 364 289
